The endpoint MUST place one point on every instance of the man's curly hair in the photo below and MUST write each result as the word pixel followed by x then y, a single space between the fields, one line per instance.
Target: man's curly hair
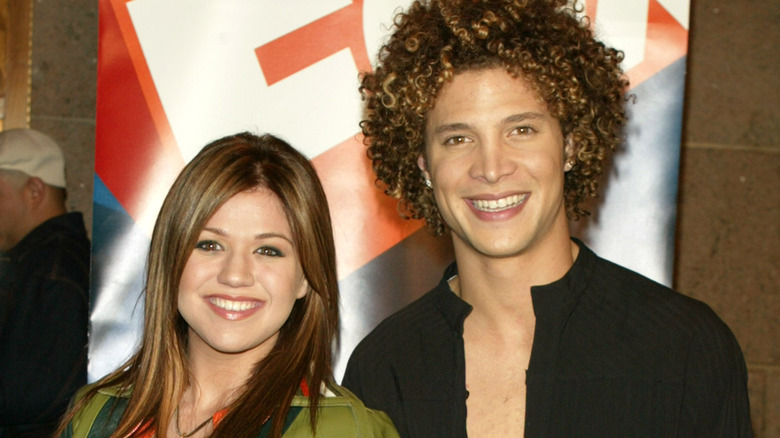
pixel 541 41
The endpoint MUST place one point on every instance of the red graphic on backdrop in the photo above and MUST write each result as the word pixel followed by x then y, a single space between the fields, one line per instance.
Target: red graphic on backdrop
pixel 314 42
pixel 366 222
pixel 666 42
pixel 137 156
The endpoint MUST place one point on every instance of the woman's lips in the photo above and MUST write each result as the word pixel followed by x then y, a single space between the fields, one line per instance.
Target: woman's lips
pixel 234 309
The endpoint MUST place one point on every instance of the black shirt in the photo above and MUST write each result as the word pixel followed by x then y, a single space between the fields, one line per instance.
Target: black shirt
pixel 44 316
pixel 614 355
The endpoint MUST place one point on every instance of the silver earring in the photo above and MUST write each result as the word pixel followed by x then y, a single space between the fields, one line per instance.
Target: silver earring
pixel 428 183
pixel 568 166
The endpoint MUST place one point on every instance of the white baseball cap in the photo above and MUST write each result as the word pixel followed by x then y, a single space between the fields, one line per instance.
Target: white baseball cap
pixel 34 153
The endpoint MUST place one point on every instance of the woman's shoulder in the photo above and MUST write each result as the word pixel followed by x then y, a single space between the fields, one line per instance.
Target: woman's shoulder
pixel 341 413
pixel 105 402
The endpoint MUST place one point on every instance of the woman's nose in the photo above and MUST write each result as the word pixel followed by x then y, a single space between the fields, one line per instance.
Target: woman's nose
pixel 236 271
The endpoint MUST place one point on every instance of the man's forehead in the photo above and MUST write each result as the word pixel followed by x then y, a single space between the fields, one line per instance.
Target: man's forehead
pixel 466 88
pixel 497 73
pixel 9 176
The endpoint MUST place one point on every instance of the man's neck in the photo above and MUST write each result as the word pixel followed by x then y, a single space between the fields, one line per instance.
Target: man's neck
pixel 502 286
pixel 41 214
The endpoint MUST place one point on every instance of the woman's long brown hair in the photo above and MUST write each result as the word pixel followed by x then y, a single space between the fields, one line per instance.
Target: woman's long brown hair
pixel 158 374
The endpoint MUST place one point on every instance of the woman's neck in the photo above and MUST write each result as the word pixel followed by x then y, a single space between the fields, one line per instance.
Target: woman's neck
pixel 216 379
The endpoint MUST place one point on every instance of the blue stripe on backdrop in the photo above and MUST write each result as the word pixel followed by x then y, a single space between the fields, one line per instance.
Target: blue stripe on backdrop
pixel 119 252
pixel 634 222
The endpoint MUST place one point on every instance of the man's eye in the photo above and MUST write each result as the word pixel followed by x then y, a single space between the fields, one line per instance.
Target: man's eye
pixel 455 140
pixel 270 251
pixel 523 130
pixel 208 245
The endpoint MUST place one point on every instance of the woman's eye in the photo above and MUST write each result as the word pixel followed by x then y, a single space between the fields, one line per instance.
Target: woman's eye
pixel 208 245
pixel 270 251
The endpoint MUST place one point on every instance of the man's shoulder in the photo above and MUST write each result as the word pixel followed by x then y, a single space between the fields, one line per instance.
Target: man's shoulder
pixel 61 233
pixel 409 322
pixel 623 288
pixel 408 355
pixel 67 229
pixel 410 315
pixel 60 243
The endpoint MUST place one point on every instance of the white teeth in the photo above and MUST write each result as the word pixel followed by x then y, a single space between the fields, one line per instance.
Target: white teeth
pixel 233 306
pixel 494 205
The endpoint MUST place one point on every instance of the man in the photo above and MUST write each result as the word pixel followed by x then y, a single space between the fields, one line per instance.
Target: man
pixel 44 281
pixel 492 120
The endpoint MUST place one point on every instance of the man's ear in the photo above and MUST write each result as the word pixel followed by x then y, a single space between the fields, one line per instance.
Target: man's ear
pixel 424 167
pixel 569 153
pixel 34 191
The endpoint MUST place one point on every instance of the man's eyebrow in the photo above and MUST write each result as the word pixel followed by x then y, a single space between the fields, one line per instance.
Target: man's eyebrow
pixel 451 127
pixel 514 118
pixel 521 117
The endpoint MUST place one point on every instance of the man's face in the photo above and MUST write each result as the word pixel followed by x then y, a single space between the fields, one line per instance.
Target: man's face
pixel 12 212
pixel 496 160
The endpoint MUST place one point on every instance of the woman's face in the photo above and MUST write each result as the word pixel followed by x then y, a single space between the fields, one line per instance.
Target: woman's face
pixel 242 278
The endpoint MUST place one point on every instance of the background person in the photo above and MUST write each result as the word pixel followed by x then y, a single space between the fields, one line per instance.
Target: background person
pixel 44 287
pixel 241 310
pixel 492 120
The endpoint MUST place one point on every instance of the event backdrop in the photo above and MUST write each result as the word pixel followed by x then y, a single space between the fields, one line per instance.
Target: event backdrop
pixel 173 76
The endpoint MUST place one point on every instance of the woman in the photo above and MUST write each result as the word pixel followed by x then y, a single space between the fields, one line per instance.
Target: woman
pixel 241 310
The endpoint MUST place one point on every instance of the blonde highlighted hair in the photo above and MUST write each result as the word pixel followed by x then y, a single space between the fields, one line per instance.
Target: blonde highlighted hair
pixel 158 373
